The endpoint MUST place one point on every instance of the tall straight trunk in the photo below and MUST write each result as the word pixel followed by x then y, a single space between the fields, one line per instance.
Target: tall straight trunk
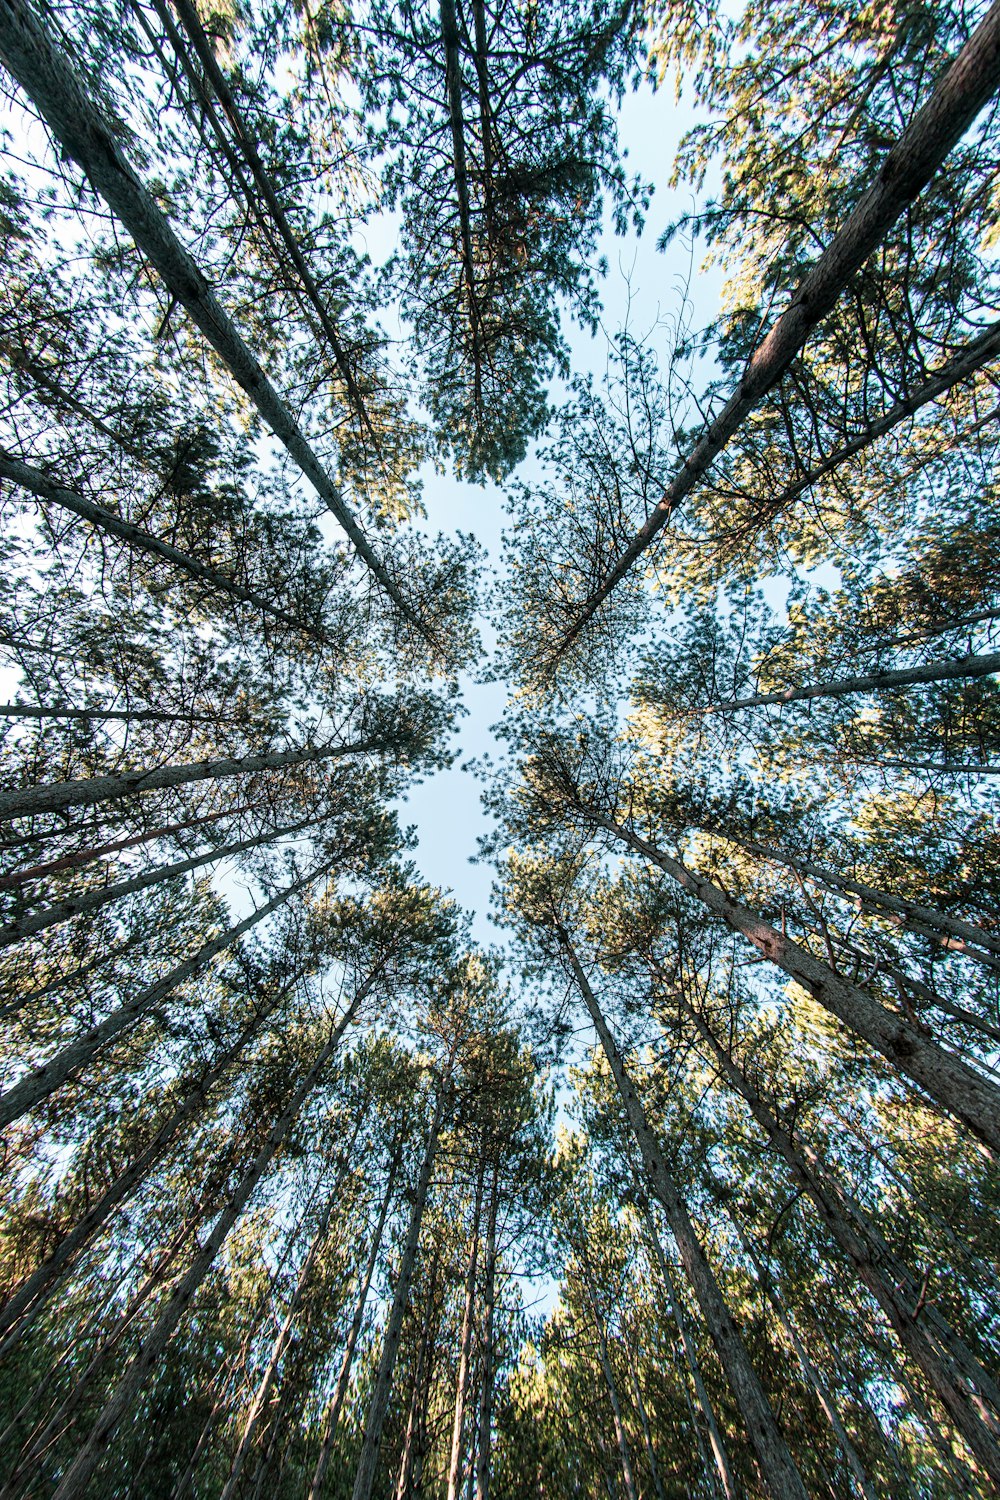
pixel 365 1477
pixel 640 1406
pixel 731 1488
pixel 944 767
pixel 77 1477
pixel 926 921
pixel 48 488
pixel 21 1308
pixel 55 796
pixel 332 1416
pixel 971 357
pixel 777 1465
pixel 961 1384
pixel 90 901
pixel 959 1089
pixel 966 668
pixel 42 1081
pixel 281 1341
pixel 411 1461
pixel 87 856
pixel 465 1341
pixel 485 109
pixel 484 1445
pixel 604 1359
pixel 963 91
pixel 823 1395
pixel 453 81
pixel 247 149
pixel 119 715
pixel 45 72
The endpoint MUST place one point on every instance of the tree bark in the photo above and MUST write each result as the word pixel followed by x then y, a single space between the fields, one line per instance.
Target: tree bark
pixel 335 1407
pixel 959 1089
pixel 777 1465
pixel 929 1343
pixel 465 1342
pixel 46 74
pixel 45 487
pixel 966 87
pixel 453 79
pixel 77 1477
pixel 90 901
pixel 42 1081
pixel 365 1477
pixel 21 1308
pixel 54 796
pixel 930 671
pixel 604 1358
pixel 484 1449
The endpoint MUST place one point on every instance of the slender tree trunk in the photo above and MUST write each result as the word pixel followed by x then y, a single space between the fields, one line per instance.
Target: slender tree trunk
pixel 37 482
pixel 45 72
pixel 936 1357
pixel 21 1308
pixel 54 796
pixel 604 1359
pixel 77 1477
pixel 332 1417
pixel 484 1447
pixel 365 1477
pixel 42 1081
pixel 409 1467
pixel 123 715
pixel 453 78
pixel 926 921
pixel 87 856
pixel 731 1487
pixel 959 1089
pixel 465 1343
pixel 777 1465
pixel 962 92
pixel 87 902
pixel 246 146
pixel 640 1406
pixel 929 671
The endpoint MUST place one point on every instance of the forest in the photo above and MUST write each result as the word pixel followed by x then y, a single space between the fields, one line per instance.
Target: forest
pixel 672 1175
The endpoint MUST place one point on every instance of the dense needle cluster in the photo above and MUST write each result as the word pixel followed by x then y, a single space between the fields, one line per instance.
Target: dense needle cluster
pixel 690 1189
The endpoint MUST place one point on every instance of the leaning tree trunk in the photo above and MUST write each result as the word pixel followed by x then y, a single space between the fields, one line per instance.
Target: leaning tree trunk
pixel 968 667
pixel 465 1342
pixel 942 1358
pixel 604 1359
pixel 27 1301
pixel 332 1416
pixel 776 1462
pixel 484 1449
pixel 731 1487
pixel 47 75
pixel 365 1477
pixel 90 901
pixel 42 1081
pixel 959 1089
pixel 55 796
pixel 77 1477
pixel 962 92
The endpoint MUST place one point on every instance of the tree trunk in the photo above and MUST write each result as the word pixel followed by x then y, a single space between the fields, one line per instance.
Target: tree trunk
pixel 936 1357
pixel 731 1488
pixel 484 1448
pixel 21 1308
pixel 54 796
pixel 647 1435
pixel 42 1081
pixel 122 715
pixel 77 1477
pixel 929 671
pixel 87 902
pixel 604 1358
pixel 45 72
pixel 365 1477
pixel 411 1458
pixel 27 477
pixel 777 1465
pixel 960 1090
pixel 453 79
pixel 965 88
pixel 465 1343
pixel 335 1407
